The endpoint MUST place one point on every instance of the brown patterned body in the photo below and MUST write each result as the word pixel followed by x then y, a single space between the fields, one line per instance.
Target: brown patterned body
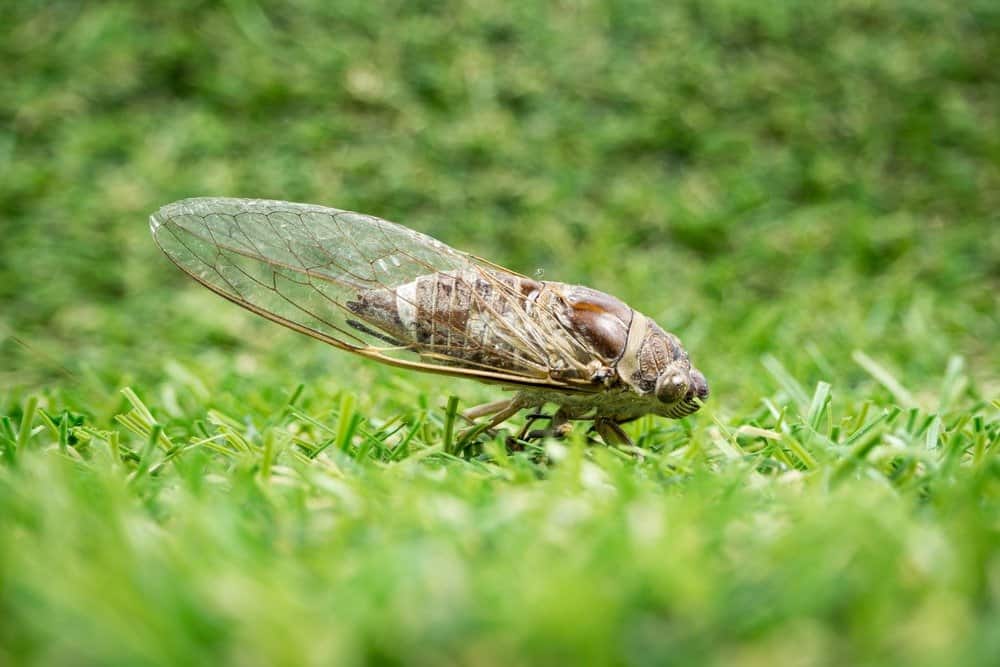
pixel 466 316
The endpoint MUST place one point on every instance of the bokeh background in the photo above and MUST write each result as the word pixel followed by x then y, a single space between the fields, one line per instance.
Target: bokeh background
pixel 786 178
pixel 805 192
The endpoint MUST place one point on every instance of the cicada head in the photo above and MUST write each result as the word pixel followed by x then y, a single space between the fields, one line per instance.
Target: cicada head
pixel 656 365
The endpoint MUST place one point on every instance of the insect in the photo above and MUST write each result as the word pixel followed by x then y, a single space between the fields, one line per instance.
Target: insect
pixel 388 293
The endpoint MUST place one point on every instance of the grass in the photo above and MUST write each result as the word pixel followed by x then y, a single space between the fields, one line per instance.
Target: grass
pixel 806 195
pixel 802 535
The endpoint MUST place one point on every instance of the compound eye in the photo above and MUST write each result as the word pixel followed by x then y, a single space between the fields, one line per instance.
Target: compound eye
pixel 671 387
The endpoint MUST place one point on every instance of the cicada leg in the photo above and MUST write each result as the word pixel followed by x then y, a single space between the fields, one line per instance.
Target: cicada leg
pixel 494 407
pixel 559 426
pixel 506 413
pixel 612 433
pixel 529 422
pixel 501 411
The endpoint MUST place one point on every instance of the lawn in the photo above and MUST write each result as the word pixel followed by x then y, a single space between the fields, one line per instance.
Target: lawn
pixel 807 194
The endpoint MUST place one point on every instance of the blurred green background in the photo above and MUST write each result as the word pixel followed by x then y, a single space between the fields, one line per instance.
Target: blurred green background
pixel 782 184
pixel 758 179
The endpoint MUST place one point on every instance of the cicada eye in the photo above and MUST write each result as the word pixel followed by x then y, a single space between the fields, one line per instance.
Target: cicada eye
pixel 671 386
pixel 699 386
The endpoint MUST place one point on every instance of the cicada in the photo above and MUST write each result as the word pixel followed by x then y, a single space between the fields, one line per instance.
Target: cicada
pixel 389 293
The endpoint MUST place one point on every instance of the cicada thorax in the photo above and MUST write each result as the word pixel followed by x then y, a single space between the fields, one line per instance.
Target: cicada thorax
pixel 597 318
pixel 635 348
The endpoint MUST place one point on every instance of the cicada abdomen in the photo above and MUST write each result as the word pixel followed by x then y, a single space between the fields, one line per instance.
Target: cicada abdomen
pixel 459 317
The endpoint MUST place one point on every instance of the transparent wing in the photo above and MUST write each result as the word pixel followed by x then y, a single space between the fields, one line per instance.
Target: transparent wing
pixel 304 266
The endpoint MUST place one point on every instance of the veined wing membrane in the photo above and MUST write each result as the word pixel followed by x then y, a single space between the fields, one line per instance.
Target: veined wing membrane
pixel 303 265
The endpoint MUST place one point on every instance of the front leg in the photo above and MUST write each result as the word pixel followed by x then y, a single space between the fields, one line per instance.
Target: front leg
pixel 559 427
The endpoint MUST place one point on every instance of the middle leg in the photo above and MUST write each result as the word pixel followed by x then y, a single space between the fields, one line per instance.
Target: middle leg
pixel 559 427
pixel 612 433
